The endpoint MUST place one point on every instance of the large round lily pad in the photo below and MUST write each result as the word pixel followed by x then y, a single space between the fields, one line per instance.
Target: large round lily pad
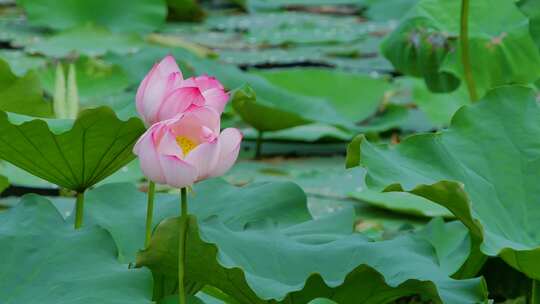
pixel 117 15
pixel 72 154
pixel 43 260
pixel 320 258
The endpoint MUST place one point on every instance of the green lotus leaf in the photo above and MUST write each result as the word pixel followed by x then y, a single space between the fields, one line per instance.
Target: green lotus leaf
pixel 484 169
pixel 72 154
pixel 20 62
pixel 264 209
pixel 22 95
pixel 451 242
pixel 401 202
pixel 284 109
pixel 319 258
pixel 318 176
pixel 267 116
pixel 89 40
pixel 139 15
pixel 355 96
pixel 263 116
pixel 42 253
pixel 121 208
pixel 328 186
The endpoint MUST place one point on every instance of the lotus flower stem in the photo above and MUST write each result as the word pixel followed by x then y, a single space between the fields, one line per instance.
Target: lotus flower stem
pixel 149 212
pixel 465 51
pixel 258 145
pixel 182 245
pixel 79 210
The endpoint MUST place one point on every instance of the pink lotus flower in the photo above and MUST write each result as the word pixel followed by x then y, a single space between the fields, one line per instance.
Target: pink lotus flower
pixel 164 93
pixel 188 148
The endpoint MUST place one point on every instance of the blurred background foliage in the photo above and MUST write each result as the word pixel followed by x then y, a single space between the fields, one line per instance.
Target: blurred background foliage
pixel 305 77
